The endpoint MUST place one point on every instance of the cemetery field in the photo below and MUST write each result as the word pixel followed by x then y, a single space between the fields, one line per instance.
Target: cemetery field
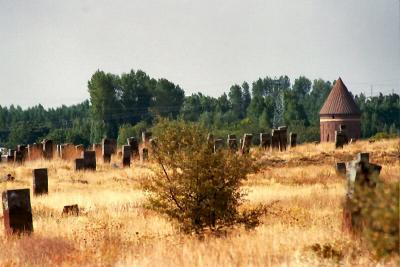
pixel 299 187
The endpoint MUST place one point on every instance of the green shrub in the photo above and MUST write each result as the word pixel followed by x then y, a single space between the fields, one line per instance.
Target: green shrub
pixel 198 188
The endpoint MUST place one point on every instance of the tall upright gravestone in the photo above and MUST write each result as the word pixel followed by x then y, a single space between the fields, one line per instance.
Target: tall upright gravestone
pixel 134 144
pixel 89 160
pixel 47 149
pixel 107 149
pixel 247 138
pixel 126 156
pixel 17 211
pixel 293 139
pixel 40 181
pixel 282 138
pixel 265 141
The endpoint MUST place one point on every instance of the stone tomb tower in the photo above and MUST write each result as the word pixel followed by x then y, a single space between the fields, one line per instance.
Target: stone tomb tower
pixel 339 111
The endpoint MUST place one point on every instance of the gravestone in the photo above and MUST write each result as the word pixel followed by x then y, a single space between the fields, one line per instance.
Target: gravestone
pixel 68 152
pixel 70 210
pixel 40 181
pixel 146 136
pixel 126 156
pixel 24 151
pixel 247 138
pixel 340 139
pixel 361 175
pixel 292 139
pixel 145 154
pixel 282 138
pixel 97 149
pixel 134 144
pixel 47 149
pixel 17 211
pixel 341 168
pixel 265 140
pixel 89 160
pixel 275 138
pixel 79 149
pixel 79 164
pixel 210 141
pixel 107 149
pixel 232 142
pixel 11 153
pixel 35 151
pixel 18 157
pixel 218 145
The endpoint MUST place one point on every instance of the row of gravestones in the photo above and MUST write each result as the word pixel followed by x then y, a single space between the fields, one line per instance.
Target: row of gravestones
pixel 17 211
pixel 276 140
pixel 29 152
pixel 360 175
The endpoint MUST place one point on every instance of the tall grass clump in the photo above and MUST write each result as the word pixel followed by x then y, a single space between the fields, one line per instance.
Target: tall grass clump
pixel 198 188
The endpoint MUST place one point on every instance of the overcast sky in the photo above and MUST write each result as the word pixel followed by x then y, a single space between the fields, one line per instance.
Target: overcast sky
pixel 50 49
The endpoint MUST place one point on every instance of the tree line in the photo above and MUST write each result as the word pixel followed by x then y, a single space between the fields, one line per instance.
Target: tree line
pixel 123 105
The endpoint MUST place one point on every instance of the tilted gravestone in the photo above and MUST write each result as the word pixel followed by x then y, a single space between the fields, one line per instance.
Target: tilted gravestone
pixel 292 139
pixel 247 138
pixel 265 141
pixel 126 156
pixel 361 175
pixel 134 144
pixel 340 139
pixel 79 164
pixel 89 160
pixel 47 149
pixel 218 144
pixel 17 211
pixel 282 138
pixel 40 181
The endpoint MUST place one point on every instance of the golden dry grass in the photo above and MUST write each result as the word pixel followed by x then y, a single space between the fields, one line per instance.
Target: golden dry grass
pixel 300 188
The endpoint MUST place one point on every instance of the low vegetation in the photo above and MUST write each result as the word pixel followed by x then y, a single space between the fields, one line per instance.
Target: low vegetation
pixel 301 224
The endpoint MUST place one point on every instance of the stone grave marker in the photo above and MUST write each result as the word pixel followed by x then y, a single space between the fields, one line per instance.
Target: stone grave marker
pixel 70 210
pixel 265 141
pixel 218 144
pixel 40 181
pixel 79 164
pixel 292 139
pixel 340 139
pixel 47 149
pixel 17 211
pixel 126 156
pixel 89 160
pixel 247 138
pixel 282 138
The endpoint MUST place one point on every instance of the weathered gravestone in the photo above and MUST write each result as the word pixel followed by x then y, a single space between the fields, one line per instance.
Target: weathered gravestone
pixel 97 148
pixel 340 139
pixel 341 168
pixel 232 142
pixel 79 164
pixel 134 144
pixel 282 138
pixel 23 149
pixel 17 211
pixel 126 156
pixel 108 148
pixel 47 149
pixel 89 160
pixel 275 138
pixel 247 138
pixel 218 145
pixel 265 141
pixel 145 154
pixel 210 141
pixel 11 153
pixel 40 181
pixel 79 149
pixel 35 151
pixel 361 176
pixel 18 157
pixel 292 139
pixel 70 210
pixel 146 136
pixel 68 152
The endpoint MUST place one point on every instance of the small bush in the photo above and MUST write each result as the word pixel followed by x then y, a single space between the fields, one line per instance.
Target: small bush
pixel 198 188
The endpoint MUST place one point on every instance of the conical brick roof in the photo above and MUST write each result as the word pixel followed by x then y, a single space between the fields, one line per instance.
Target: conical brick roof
pixel 340 101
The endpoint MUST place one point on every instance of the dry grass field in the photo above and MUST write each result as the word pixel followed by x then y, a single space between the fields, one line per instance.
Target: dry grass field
pixel 300 188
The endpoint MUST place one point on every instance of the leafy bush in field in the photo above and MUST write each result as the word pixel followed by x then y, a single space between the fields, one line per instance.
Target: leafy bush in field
pixel 198 188
pixel 383 135
pixel 375 213
pixel 382 219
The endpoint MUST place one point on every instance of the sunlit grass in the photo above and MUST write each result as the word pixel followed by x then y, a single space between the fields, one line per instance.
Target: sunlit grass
pixel 300 188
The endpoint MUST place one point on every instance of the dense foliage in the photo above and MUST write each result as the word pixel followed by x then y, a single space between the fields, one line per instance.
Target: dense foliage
pixel 123 104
